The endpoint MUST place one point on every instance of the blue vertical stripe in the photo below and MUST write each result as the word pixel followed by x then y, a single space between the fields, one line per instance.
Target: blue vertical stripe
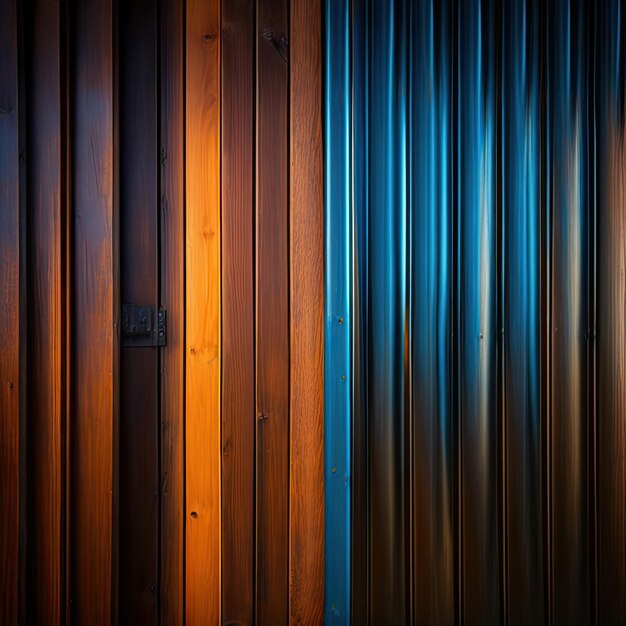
pixel 430 321
pixel 339 313
pixel 521 232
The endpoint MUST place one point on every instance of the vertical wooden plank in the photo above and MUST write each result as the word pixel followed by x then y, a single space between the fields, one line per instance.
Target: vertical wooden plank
pixel 94 349
pixel 139 434
pixel 238 417
pixel 272 313
pixel 46 316
pixel 171 590
pixel 9 314
pixel 203 525
pixel 306 276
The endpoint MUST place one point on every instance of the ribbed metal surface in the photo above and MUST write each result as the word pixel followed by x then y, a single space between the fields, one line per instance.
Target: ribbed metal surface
pixel 476 230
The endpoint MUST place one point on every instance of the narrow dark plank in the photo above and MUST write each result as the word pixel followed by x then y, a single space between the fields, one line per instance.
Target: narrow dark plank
pixel 306 253
pixel 46 357
pixel 272 313
pixel 139 435
pixel 569 196
pixel 521 240
pixel 9 314
pixel 238 426
pixel 171 591
pixel 353 514
pixel 611 311
pixel 94 314
pixel 546 322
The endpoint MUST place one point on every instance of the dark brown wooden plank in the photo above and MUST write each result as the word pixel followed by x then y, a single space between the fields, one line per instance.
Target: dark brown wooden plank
pixel 171 595
pixel 203 354
pixel 46 317
pixel 272 313
pixel 139 436
pixel 9 314
pixel 306 219
pixel 238 425
pixel 94 314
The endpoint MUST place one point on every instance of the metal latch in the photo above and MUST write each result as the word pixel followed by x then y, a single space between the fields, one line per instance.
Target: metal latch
pixel 143 326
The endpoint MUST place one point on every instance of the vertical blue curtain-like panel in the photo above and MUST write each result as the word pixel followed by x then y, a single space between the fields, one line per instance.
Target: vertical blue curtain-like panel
pixel 477 215
pixel 430 260
pixel 521 288
pixel 476 312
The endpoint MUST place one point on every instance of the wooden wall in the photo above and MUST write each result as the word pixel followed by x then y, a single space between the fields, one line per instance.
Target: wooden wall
pixel 164 154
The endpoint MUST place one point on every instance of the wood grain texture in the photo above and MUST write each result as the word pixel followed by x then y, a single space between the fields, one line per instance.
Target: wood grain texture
pixel 238 416
pixel 94 314
pixel 139 206
pixel 46 319
pixel 9 314
pixel 203 361
pixel 171 592
pixel 272 313
pixel 306 211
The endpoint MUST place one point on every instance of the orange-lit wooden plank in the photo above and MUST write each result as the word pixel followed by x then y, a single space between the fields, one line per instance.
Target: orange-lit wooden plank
pixel 203 536
pixel 46 318
pixel 9 314
pixel 306 597
pixel 171 592
pixel 94 314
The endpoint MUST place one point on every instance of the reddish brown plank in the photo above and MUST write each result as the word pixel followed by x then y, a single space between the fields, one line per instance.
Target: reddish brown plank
pixel 272 313
pixel 203 532
pixel 9 314
pixel 139 434
pixel 46 317
pixel 94 314
pixel 171 596
pixel 306 211
pixel 238 420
